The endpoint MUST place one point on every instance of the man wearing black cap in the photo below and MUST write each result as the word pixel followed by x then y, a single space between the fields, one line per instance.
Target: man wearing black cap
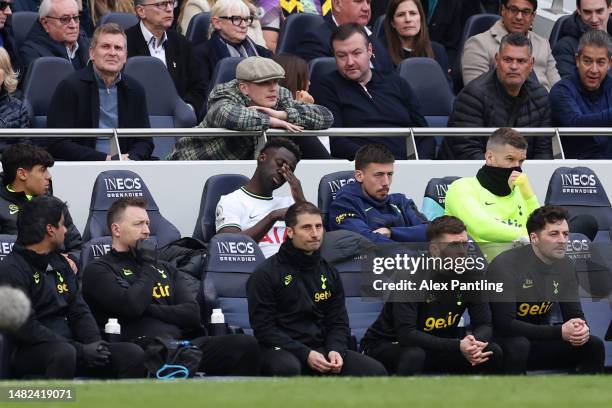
pixel 253 101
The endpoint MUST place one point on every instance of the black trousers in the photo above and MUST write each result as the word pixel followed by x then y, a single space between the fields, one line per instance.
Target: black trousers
pixel 522 354
pixel 415 360
pixel 283 363
pixel 59 360
pixel 234 354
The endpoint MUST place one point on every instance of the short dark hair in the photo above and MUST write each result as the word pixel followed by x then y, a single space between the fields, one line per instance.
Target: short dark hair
pixel 595 38
pixel 373 153
pixel 446 224
pixel 516 40
pixel 35 215
pixel 23 155
pixel 534 3
pixel 344 31
pixel 579 3
pixel 116 210
pixel 303 207
pixel 545 215
pixel 278 141
pixel 507 136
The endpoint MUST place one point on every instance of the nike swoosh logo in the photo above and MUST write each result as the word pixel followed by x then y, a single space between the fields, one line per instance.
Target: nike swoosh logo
pixel 13 212
pixel 489 203
pixel 527 286
pixel 253 216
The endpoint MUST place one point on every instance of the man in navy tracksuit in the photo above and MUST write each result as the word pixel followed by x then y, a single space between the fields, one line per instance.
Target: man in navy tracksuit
pixel 367 208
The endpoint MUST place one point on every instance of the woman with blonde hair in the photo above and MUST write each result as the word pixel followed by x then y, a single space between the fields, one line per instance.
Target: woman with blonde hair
pixel 13 113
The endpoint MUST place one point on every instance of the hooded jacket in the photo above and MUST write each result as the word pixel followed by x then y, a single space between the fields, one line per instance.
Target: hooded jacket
pixel 59 313
pixel 296 302
pixel 566 47
pixel 10 202
pixel 39 44
pixel 13 112
pixel 574 106
pixel 355 211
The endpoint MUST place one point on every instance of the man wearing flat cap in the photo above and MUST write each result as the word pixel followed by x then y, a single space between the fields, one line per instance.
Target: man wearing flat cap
pixel 253 101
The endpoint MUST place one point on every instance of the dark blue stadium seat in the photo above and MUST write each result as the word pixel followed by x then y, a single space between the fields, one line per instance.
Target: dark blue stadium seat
pixel 197 30
pixel 329 186
pixel 435 196
pixel 476 24
pixel 43 76
pixel 598 314
pixel 231 260
pixel 579 190
pixel 555 33
pixel 225 71
pixel 6 245
pixel 214 188
pixel 111 185
pixel 293 29
pixel 93 250
pixel 320 67
pixel 430 85
pixel 592 264
pixel 22 23
pixel 6 350
pixel 124 20
pixel 166 108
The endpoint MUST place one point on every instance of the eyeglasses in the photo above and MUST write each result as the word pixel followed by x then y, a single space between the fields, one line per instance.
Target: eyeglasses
pixel 162 5
pixel 65 20
pixel 237 20
pixel 5 4
pixel 515 10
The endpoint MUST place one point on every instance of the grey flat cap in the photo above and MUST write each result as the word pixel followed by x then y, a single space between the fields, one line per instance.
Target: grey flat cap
pixel 258 69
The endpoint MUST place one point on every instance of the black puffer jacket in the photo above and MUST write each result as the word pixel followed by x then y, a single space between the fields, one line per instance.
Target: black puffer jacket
pixel 13 112
pixel 485 103
pixel 565 49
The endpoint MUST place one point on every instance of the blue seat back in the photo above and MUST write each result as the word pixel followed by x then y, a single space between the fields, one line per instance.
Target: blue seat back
pixel 198 28
pixel 124 20
pixel 295 26
pixel 225 71
pixel 22 22
pixel 435 196
pixel 320 67
pixel 329 186
pixel 555 33
pixel 6 245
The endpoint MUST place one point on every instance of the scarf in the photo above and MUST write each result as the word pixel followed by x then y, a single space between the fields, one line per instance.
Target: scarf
pixel 495 179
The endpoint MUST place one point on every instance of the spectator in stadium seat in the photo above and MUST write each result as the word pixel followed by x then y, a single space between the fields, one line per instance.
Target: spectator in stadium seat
pixel 506 96
pixel 189 9
pixel 516 17
pixel 361 97
pixel 407 336
pixel 60 338
pixel 100 96
pixel 230 20
pixel 56 34
pixel 25 175
pixel 297 310
pixel 252 210
pixel 495 204
pixel 316 41
pixel 367 208
pixel 7 39
pixel 150 298
pixel 535 277
pixel 297 81
pixel 252 101
pixel 407 36
pixel 589 15
pixel 13 112
pixel 153 37
pixel 584 99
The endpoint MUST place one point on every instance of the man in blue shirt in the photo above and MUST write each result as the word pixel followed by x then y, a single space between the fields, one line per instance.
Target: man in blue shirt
pixel 367 208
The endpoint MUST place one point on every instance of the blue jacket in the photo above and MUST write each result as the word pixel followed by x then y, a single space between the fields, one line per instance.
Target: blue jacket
pixel 574 106
pixel 355 211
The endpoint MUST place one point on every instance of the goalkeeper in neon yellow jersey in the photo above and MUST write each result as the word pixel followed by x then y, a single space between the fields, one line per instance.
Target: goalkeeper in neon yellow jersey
pixel 496 203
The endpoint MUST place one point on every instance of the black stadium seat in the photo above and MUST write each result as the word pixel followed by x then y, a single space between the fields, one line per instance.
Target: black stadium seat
pixel 197 30
pixel 579 190
pixel 113 184
pixel 231 260
pixel 293 29
pixel 379 28
pixel 6 245
pixel 225 71
pixel 43 76
pixel 214 188
pixel 555 33
pixel 435 196
pixel 429 83
pixel 124 20
pixel 320 67
pixel 93 250
pixel 476 24
pixel 329 186
pixel 22 23
pixel 165 107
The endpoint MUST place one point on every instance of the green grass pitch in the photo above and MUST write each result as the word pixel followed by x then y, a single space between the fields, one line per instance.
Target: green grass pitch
pixel 448 392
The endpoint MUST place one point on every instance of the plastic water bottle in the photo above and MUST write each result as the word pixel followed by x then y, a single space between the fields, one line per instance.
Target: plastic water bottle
pixel 112 330
pixel 217 322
